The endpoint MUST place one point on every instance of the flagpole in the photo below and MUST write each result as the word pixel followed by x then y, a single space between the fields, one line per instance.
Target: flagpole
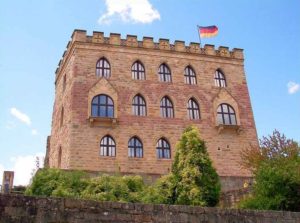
pixel 198 29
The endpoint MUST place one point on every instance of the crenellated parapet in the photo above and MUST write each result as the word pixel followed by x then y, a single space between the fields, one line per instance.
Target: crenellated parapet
pixel 115 39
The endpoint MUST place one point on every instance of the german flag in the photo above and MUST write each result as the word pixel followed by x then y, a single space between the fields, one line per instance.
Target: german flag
pixel 207 31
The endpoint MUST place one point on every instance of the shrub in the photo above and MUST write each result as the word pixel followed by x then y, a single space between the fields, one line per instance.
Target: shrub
pixel 277 174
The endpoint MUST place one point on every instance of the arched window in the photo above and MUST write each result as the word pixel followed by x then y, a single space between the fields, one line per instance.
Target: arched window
pixel 193 109
pixel 220 80
pixel 107 146
pixel 164 73
pixel 189 75
pixel 103 68
pixel 166 108
pixel 135 148
pixel 226 115
pixel 139 105
pixel 102 106
pixel 59 157
pixel 138 71
pixel 163 150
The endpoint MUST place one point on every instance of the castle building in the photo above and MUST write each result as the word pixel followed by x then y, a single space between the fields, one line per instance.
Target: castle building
pixel 122 104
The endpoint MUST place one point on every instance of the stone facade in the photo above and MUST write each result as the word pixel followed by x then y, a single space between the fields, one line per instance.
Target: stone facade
pixel 24 209
pixel 75 137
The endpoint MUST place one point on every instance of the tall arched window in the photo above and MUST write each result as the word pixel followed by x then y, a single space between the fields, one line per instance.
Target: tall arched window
pixel 163 150
pixel 166 108
pixel 135 148
pixel 220 80
pixel 189 75
pixel 103 68
pixel 138 71
pixel 164 73
pixel 193 109
pixel 226 115
pixel 107 146
pixel 102 106
pixel 139 105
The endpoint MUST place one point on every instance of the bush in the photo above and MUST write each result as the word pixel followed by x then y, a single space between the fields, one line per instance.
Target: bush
pixel 276 173
pixel 193 180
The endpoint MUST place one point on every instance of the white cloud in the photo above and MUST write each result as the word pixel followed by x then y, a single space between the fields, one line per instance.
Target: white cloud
pixel 34 132
pixel 293 87
pixel 23 166
pixel 135 11
pixel 21 116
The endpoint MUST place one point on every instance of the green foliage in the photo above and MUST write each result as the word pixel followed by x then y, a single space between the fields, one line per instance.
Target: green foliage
pixel 76 184
pixel 193 180
pixel 114 188
pixel 55 182
pixel 277 175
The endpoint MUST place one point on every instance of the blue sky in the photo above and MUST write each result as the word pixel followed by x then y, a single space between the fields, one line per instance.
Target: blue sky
pixel 34 34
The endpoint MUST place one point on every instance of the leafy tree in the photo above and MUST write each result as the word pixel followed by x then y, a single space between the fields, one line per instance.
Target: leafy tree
pixel 276 168
pixel 193 180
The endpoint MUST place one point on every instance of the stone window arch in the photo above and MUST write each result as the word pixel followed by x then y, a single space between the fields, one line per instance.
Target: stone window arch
pixel 226 115
pixel 190 76
pixel 164 73
pixel 139 105
pixel 135 147
pixel 102 106
pixel 103 68
pixel 138 71
pixel 163 149
pixel 107 146
pixel 220 80
pixel 193 109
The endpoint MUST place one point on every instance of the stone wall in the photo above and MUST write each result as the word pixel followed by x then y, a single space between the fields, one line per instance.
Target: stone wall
pixel 24 209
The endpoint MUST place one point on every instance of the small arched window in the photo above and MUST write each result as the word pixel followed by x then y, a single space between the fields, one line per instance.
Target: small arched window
pixel 193 109
pixel 189 76
pixel 220 80
pixel 135 148
pixel 163 150
pixel 139 105
pixel 164 73
pixel 107 146
pixel 226 115
pixel 166 108
pixel 103 68
pixel 138 71
pixel 102 106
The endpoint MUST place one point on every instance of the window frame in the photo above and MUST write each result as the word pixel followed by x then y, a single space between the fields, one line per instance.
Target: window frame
pixel 106 105
pixel 139 108
pixel 164 73
pixel 165 111
pixel 223 113
pixel 139 73
pixel 135 150
pixel 163 149
pixel 193 109
pixel 220 79
pixel 108 146
pixel 101 69
pixel 190 76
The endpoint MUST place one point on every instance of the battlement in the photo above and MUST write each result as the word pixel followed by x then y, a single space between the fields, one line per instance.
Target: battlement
pixel 148 43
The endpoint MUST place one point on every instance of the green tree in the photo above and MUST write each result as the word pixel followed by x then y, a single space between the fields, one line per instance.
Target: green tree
pixel 193 180
pixel 276 168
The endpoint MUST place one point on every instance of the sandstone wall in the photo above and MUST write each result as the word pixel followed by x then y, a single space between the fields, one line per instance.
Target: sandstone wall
pixel 23 209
